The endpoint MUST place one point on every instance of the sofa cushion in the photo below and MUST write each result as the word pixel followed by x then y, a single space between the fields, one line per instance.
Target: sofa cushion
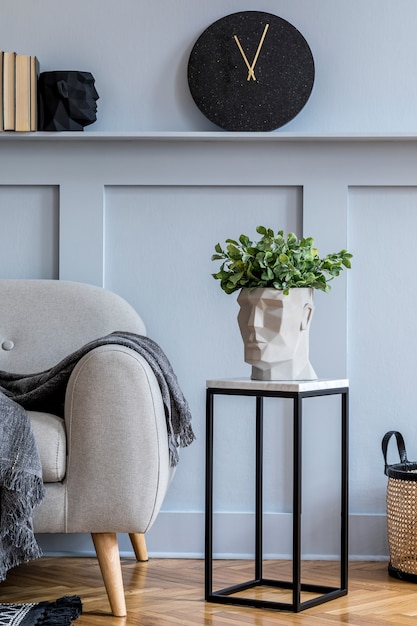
pixel 49 431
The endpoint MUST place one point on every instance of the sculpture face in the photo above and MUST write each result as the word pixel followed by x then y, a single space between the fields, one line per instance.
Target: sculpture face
pixel 275 331
pixel 68 100
pixel 80 96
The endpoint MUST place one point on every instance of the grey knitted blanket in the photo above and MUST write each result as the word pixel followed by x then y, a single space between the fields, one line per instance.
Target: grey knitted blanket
pixel 45 391
pixel 21 487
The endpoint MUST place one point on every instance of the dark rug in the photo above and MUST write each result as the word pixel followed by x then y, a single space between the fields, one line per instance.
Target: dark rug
pixel 62 612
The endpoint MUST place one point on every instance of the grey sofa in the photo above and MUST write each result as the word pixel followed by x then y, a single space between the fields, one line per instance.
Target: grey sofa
pixel 106 465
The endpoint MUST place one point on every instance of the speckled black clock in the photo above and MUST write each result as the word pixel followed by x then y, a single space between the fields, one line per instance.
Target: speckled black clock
pixel 251 71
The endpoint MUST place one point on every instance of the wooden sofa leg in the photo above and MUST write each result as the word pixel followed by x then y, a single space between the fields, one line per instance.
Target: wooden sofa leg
pixel 107 550
pixel 139 546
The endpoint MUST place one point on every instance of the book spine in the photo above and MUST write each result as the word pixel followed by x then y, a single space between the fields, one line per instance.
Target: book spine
pixel 22 122
pixel 34 75
pixel 1 92
pixel 9 99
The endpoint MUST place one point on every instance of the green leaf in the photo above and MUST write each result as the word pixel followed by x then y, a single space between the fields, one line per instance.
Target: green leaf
pixel 236 278
pixel 233 251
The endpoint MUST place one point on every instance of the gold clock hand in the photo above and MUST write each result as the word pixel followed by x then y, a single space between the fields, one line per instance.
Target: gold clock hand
pixel 251 73
pixel 259 48
pixel 242 52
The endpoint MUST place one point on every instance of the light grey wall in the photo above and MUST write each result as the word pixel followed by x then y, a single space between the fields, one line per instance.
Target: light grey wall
pixel 102 212
pixel 140 215
pixel 365 57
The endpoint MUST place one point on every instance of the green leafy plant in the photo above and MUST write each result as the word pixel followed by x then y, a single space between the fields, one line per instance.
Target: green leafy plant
pixel 277 261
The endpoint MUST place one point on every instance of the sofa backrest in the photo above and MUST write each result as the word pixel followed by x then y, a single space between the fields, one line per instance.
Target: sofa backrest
pixel 42 321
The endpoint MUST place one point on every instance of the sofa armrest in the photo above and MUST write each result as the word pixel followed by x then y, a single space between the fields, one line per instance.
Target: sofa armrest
pixel 118 468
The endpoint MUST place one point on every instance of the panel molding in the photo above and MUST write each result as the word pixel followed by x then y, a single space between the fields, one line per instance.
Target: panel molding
pixel 325 167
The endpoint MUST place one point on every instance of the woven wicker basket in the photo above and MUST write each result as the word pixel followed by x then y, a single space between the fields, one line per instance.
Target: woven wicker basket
pixel 401 512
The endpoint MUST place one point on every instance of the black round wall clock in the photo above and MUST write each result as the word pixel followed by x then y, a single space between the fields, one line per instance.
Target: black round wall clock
pixel 251 71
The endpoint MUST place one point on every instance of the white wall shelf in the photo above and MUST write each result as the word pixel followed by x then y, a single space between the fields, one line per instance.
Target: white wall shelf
pixel 205 136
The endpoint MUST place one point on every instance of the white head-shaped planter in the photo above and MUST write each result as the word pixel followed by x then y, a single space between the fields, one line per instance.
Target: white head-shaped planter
pixel 275 331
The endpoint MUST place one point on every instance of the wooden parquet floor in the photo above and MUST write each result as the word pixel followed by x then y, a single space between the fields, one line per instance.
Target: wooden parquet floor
pixel 170 592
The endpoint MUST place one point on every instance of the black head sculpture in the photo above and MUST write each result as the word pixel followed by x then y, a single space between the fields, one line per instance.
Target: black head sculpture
pixel 67 100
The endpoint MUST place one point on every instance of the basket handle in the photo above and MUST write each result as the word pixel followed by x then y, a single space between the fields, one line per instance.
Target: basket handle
pixel 400 445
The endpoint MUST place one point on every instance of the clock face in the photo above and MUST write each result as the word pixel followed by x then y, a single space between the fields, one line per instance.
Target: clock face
pixel 251 71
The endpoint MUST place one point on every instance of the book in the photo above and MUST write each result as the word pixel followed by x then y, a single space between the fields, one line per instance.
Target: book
pixel 1 91
pixel 34 75
pixel 23 99
pixel 9 73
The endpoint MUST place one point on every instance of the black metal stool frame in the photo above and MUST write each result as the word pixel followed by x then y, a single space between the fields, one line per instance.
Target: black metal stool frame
pixel 225 596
